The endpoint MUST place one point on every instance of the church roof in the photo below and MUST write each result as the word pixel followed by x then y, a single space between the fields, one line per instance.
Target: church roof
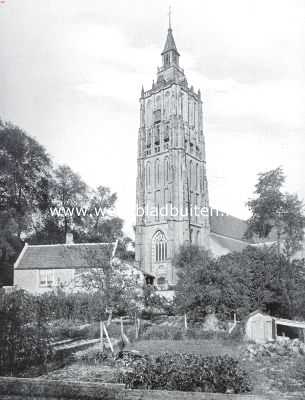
pixel 221 245
pixel 227 225
pixel 65 256
pixel 170 43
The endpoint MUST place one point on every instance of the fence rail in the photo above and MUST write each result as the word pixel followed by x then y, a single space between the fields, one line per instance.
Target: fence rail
pixel 42 389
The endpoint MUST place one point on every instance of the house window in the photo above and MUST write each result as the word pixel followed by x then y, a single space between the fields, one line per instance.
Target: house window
pixel 160 246
pixel 46 277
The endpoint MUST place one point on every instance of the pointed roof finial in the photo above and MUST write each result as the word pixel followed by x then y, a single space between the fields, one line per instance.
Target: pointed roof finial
pixel 169 17
pixel 170 42
pixel 142 91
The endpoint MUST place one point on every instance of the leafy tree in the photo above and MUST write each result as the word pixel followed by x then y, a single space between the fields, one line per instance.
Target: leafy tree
pixel 273 210
pixel 257 278
pixel 68 192
pixel 102 225
pixel 25 169
pixel 125 249
pixel 118 288
pixel 197 286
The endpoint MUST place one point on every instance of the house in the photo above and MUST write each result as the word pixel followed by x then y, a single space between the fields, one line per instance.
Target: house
pixel 262 328
pixel 41 268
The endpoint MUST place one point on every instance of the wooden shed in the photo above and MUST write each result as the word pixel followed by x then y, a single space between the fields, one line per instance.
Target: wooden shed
pixel 262 328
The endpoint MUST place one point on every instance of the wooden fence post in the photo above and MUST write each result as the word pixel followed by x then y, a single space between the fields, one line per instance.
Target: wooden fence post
pixel 108 339
pixel 102 335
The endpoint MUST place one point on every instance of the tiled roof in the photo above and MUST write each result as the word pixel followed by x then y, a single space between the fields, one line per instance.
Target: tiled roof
pixel 227 225
pixel 65 256
pixel 221 245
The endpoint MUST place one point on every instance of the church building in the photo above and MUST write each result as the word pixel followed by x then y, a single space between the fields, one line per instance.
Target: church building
pixel 171 169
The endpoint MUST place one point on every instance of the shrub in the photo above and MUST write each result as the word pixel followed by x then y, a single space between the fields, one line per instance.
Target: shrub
pixel 24 337
pixel 157 332
pixel 195 333
pixel 93 355
pixel 187 372
pixel 73 329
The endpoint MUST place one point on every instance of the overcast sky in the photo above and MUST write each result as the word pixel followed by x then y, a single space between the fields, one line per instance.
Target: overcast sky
pixel 71 73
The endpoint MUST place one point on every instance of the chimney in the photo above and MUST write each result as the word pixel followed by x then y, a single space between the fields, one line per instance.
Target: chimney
pixel 69 238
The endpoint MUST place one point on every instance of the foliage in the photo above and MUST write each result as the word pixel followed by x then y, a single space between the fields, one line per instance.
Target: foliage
pixel 239 283
pixel 154 303
pixel 73 329
pixel 24 339
pixel 125 249
pixel 24 173
pixel 79 307
pixel 273 210
pixel 162 332
pixel 30 186
pixel 117 287
pixel 187 372
pixel 205 282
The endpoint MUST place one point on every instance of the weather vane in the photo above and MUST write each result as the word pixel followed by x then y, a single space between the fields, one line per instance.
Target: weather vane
pixel 169 17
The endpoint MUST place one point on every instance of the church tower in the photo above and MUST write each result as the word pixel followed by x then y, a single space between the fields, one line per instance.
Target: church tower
pixel 171 175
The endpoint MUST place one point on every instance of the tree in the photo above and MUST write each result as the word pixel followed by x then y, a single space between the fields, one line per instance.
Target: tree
pixel 69 192
pixel 198 285
pixel 102 225
pixel 126 249
pixel 25 169
pixel 273 210
pixel 118 287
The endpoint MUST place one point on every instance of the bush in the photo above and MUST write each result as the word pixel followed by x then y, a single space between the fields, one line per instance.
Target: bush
pixel 187 372
pixel 195 333
pixel 80 306
pixel 24 337
pixel 157 332
pixel 73 329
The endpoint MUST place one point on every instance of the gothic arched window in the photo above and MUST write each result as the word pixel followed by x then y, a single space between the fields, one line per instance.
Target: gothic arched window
pixel 190 174
pixel 159 245
pixel 148 113
pixel 166 170
pixel 157 172
pixel 148 174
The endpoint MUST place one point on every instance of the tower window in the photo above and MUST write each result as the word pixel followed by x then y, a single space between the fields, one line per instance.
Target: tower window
pixel 157 116
pixel 166 170
pixel 159 244
pixel 157 172
pixel 148 180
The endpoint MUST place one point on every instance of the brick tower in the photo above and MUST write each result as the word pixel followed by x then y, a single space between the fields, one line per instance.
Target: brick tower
pixel 171 166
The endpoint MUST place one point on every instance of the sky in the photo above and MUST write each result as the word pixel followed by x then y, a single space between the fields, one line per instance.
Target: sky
pixel 71 73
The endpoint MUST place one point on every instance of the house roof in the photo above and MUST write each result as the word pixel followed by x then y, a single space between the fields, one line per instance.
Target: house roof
pixel 65 256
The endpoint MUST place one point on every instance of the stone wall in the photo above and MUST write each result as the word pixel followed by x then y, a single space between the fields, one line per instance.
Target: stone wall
pixel 38 389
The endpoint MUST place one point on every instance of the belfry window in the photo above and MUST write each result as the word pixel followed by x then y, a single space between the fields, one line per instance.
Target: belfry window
pixel 157 172
pixel 159 247
pixel 148 183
